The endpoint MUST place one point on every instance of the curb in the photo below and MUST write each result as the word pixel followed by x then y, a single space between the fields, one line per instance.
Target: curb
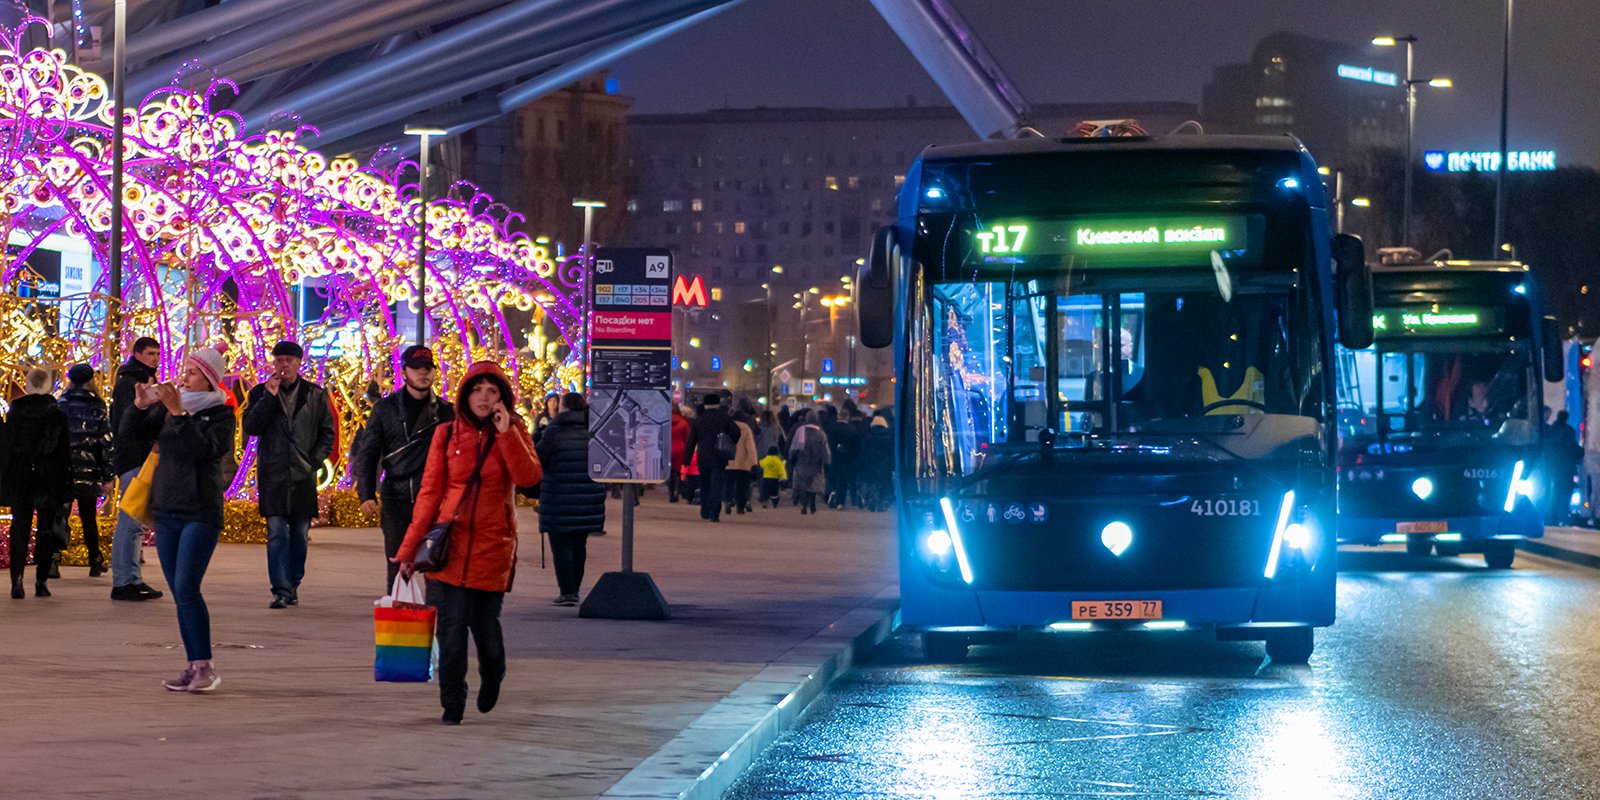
pixel 1539 548
pixel 708 757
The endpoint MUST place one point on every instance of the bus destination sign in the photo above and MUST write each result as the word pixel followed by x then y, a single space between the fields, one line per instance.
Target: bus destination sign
pixel 1157 241
pixel 1393 323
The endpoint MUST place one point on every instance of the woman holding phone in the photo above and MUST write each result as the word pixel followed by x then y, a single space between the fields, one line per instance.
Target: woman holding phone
pixel 193 426
pixel 474 466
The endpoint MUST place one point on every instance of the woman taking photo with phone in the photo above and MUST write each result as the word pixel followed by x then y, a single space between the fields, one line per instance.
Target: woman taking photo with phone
pixel 193 427
pixel 474 466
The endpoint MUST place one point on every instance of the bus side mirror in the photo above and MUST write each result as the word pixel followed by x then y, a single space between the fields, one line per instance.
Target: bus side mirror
pixel 875 289
pixel 1353 288
pixel 1555 366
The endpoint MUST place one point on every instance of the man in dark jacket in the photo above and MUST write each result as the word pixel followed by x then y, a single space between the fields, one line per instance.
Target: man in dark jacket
pixel 293 423
pixel 571 506
pixel 34 481
pixel 129 450
pixel 393 450
pixel 713 439
pixel 89 440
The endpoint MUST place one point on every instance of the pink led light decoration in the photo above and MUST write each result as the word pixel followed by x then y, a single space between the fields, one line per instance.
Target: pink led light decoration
pixel 222 227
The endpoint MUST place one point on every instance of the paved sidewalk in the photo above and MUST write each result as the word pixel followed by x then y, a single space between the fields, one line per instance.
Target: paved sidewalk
pixel 1574 545
pixel 298 714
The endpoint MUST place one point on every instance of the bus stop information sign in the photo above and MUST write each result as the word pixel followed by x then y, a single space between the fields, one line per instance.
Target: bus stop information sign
pixel 630 406
pixel 630 366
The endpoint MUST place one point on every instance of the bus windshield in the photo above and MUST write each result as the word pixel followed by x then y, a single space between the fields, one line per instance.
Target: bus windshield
pixel 1152 365
pixel 1468 389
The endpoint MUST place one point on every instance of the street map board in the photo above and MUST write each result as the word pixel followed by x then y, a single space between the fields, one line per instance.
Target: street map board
pixel 630 365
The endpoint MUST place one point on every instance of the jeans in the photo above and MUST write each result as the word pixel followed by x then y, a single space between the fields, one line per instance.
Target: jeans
pixel 712 484
pixel 569 552
pixel 126 541
pixel 22 518
pixel 462 610
pixel 286 554
pixel 185 547
pixel 88 503
pixel 394 516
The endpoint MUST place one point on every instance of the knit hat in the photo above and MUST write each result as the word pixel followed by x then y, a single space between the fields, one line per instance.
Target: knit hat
pixel 288 348
pixel 37 381
pixel 80 374
pixel 209 361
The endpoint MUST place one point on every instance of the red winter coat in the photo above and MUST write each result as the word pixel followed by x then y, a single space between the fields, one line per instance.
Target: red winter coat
pixel 680 439
pixel 483 542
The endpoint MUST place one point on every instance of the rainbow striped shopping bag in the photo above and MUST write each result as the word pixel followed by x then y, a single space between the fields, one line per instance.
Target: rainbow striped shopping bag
pixel 404 637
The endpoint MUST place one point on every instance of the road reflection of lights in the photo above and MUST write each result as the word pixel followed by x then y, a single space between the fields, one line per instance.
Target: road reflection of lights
pixel 1300 757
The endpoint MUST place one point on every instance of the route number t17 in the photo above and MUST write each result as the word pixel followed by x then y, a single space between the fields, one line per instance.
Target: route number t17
pixel 1002 239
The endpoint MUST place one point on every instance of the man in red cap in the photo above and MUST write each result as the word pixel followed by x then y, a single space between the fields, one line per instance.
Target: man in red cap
pixel 389 460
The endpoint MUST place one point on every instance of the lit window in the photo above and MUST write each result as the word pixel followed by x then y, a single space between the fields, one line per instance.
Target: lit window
pixel 738 227
pixel 717 227
pixel 716 294
pixel 697 205
pixel 854 182
pixel 831 182
pixel 671 205
pixel 633 206
pixel 899 181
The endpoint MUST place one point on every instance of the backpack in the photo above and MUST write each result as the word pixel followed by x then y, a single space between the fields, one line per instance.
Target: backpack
pixel 725 446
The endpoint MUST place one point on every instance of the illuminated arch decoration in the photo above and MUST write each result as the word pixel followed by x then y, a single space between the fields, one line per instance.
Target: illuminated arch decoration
pixel 224 230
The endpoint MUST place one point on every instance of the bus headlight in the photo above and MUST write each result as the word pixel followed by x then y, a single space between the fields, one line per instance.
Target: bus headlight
pixel 1422 487
pixel 1294 537
pixel 1521 484
pixel 1297 536
pixel 938 543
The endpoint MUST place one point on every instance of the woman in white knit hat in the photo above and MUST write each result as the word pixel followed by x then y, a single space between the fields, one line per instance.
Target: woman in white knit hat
pixel 194 428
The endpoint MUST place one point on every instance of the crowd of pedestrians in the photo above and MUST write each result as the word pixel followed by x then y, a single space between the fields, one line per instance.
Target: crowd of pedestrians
pixel 167 452
pixel 836 456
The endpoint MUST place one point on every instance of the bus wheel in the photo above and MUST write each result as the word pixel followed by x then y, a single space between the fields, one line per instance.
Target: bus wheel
pixel 1499 555
pixel 944 648
pixel 1419 546
pixel 1290 645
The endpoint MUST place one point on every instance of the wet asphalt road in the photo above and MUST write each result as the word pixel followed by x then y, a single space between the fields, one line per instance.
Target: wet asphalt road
pixel 1440 680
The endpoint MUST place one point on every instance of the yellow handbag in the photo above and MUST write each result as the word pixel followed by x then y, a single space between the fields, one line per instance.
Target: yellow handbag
pixel 135 500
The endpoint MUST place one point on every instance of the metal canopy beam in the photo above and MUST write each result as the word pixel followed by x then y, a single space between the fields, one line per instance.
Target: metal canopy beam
pixel 947 48
pixel 204 24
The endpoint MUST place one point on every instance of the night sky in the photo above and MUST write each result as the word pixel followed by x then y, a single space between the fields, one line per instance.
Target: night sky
pixel 839 53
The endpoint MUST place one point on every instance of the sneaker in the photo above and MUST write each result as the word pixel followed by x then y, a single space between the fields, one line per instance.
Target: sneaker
pixel 452 717
pixel 180 683
pixel 205 679
pixel 560 601
pixel 293 600
pixel 566 600
pixel 278 602
pixel 147 592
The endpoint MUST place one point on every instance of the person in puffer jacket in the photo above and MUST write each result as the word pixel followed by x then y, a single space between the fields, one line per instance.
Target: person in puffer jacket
pixel 486 436
pixel 571 506
pixel 89 447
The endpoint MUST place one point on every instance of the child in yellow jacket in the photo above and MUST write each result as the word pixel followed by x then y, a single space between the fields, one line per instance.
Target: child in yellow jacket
pixel 773 473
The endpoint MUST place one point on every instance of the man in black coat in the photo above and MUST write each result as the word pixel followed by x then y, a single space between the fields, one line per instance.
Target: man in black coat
pixel 713 438
pixel 393 449
pixel 35 479
pixel 293 423
pixel 571 506
pixel 129 450
pixel 89 439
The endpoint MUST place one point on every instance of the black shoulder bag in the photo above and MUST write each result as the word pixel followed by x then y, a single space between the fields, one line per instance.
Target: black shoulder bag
pixel 434 552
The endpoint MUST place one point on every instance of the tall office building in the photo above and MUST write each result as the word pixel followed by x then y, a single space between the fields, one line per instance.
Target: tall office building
pixel 1343 101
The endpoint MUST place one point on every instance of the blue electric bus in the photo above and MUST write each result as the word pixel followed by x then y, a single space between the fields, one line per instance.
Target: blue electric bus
pixel 1440 420
pixel 1114 383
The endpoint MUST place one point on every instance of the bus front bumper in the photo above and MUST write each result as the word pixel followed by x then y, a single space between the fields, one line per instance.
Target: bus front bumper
pixel 1524 522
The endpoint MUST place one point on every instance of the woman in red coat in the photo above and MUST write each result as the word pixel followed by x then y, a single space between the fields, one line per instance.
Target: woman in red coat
pixel 680 443
pixel 471 587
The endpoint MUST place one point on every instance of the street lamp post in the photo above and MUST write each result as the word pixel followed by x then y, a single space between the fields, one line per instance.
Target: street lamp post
pixel 422 228
pixel 1500 170
pixel 588 207
pixel 119 64
pixel 1411 121
pixel 772 346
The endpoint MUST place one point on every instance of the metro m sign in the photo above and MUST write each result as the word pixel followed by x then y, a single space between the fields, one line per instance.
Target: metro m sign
pixel 690 293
